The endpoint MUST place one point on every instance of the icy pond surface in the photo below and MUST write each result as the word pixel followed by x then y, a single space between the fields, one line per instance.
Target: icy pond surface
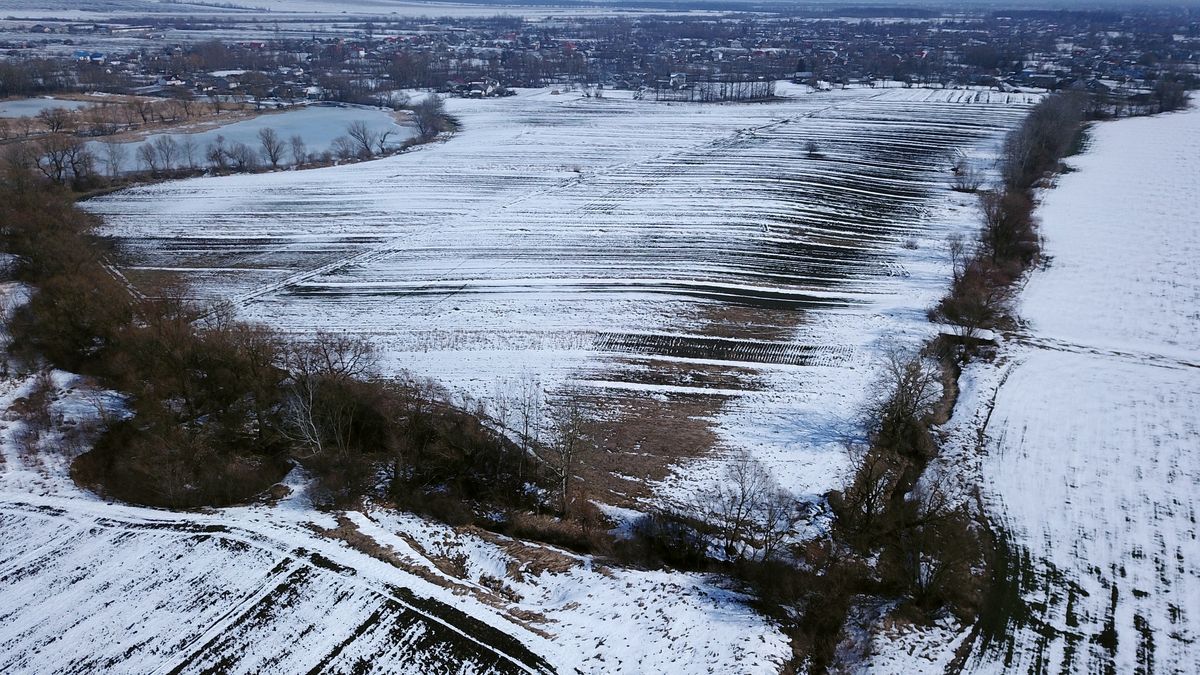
pixel 28 107
pixel 318 125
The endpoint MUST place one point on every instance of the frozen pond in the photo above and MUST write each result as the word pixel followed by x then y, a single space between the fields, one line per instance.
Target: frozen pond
pixel 28 107
pixel 318 125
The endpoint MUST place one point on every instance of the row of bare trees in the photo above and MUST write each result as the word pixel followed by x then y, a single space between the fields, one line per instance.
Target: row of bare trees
pixel 67 159
pixel 105 118
pixel 985 268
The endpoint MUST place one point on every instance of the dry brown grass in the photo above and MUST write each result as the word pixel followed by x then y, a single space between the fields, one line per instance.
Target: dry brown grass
pixel 526 557
pixel 639 439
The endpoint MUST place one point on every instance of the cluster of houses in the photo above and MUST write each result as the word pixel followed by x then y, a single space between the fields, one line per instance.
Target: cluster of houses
pixel 1122 54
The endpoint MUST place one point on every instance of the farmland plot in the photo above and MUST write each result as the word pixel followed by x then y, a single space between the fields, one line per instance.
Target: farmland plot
pixel 1091 460
pixel 698 264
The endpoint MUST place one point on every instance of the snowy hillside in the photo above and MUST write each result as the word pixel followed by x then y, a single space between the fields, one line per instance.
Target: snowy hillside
pixel 1093 462
pixel 284 588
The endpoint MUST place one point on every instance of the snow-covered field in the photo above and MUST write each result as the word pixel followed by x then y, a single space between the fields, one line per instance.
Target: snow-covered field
pixel 621 250
pixel 625 251
pixel 1093 446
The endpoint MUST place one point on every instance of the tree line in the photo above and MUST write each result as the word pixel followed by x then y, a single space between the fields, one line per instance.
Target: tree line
pixel 1006 244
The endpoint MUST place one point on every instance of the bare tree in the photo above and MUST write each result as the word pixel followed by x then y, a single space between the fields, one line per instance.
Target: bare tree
pixel 18 161
pixel 56 120
pixel 168 149
pixel 430 116
pixel 751 514
pixel 216 153
pixel 956 246
pixel 272 146
pixel 343 148
pixel 139 109
pixel 26 125
pixel 299 150
pixel 242 157
pixel 320 422
pixel 101 121
pixel 183 98
pixel 63 158
pixel 977 300
pixel 1008 229
pixel 865 499
pixel 148 156
pixel 381 140
pixel 363 137
pixel 935 545
pixel 114 156
pixel 906 393
pixel 217 101
pixel 187 150
pixel 565 451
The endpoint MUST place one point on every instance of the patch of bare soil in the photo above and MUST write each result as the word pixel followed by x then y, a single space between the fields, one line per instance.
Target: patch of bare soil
pixel 636 437
pixel 640 438
pixel 750 323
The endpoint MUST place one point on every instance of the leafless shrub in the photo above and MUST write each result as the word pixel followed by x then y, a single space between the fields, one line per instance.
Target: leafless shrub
pixel 363 138
pixel 967 178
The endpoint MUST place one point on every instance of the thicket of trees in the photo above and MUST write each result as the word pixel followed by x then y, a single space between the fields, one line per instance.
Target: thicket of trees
pixel 34 76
